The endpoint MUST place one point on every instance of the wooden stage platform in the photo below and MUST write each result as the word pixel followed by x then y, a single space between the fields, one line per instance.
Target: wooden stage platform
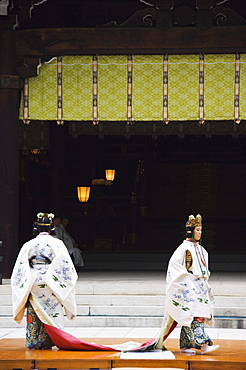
pixel 14 355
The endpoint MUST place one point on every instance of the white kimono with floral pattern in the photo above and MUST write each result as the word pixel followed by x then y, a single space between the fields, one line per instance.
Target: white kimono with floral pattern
pixel 50 287
pixel 188 293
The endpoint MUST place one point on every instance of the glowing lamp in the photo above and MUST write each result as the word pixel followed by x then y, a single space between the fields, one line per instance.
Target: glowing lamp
pixel 110 174
pixel 83 193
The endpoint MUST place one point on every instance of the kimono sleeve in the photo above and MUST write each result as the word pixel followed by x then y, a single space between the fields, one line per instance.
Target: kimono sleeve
pixel 61 278
pixel 180 295
pixel 22 280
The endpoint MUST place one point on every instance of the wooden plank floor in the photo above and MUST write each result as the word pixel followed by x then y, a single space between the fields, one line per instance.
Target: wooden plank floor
pixel 13 354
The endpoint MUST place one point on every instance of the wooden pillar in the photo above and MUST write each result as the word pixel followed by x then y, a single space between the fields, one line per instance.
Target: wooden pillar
pixel 9 154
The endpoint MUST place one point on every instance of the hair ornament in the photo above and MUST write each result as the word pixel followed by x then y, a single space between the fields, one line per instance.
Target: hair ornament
pixel 194 221
pixel 42 217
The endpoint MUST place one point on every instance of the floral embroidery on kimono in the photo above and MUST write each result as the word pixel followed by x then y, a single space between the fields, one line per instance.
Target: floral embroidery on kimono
pixel 188 292
pixel 52 286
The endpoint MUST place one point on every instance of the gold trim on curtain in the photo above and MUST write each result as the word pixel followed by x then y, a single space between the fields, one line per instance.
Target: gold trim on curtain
pixel 165 89
pixel 129 89
pixel 237 90
pixel 59 91
pixel 201 89
pixel 95 90
pixel 26 119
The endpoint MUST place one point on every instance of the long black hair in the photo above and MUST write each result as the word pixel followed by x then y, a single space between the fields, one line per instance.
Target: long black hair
pixel 189 232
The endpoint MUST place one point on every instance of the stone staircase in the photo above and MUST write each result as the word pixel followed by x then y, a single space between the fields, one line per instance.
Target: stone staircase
pixel 135 303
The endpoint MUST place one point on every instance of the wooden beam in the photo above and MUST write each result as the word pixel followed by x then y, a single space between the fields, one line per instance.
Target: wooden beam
pixel 28 67
pixel 81 41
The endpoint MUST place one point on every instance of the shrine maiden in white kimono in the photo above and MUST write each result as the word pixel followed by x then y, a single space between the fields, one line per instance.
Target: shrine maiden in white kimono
pixel 189 298
pixel 43 280
pixel 188 293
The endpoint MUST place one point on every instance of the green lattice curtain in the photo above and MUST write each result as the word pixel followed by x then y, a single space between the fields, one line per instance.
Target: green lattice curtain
pixel 135 88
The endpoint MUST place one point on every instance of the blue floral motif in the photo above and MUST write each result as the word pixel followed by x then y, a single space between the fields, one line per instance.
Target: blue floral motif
pixel 48 304
pixel 20 276
pixel 184 294
pixel 42 251
pixel 51 256
pixel 39 278
pixel 65 272
pixel 184 297
pixel 201 288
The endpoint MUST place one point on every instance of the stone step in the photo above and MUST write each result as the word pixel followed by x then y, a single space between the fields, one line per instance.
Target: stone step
pixel 139 289
pixel 134 311
pixel 97 300
pixel 106 300
pixel 114 321
pixel 135 300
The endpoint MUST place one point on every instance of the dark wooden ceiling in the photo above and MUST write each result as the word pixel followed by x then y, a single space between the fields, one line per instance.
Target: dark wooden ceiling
pixel 93 13
pixel 125 26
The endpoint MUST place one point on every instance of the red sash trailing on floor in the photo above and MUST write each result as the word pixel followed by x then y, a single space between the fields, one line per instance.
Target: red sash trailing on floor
pixel 67 341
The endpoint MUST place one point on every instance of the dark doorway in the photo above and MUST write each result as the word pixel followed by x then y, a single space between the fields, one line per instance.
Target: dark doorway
pixel 158 183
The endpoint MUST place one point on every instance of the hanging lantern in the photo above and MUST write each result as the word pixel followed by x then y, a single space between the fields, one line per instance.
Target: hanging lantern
pixel 35 151
pixel 83 193
pixel 110 174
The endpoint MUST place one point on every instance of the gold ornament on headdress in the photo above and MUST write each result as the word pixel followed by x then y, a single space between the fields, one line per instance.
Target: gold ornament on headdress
pixel 50 216
pixel 194 221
